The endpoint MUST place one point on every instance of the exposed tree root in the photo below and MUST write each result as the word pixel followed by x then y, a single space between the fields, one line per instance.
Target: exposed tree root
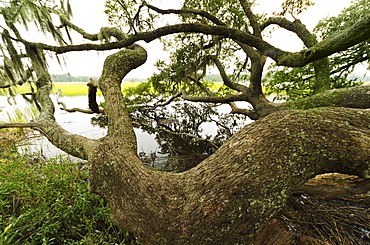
pixel 324 218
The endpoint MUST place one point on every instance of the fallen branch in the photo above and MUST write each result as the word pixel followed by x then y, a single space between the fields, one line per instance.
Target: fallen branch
pixel 19 125
pixel 86 111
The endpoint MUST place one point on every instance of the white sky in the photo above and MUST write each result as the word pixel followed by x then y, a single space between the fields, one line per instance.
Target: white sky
pixel 89 15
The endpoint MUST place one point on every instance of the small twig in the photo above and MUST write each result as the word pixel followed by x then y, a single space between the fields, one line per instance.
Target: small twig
pixel 170 100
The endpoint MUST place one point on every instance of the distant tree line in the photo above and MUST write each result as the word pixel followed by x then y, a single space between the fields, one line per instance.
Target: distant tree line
pixel 69 78
pixel 212 77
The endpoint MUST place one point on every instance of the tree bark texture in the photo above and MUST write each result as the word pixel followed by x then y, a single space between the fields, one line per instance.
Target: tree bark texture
pixel 230 196
pixel 234 193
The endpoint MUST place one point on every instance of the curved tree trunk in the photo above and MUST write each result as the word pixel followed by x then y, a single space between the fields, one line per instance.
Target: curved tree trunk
pixel 234 193
pixel 230 196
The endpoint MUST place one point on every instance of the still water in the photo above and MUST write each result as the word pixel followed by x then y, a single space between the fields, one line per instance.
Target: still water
pixel 76 123
pixel 80 123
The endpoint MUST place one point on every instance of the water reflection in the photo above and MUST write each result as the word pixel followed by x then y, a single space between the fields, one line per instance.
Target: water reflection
pixel 170 148
pixel 75 123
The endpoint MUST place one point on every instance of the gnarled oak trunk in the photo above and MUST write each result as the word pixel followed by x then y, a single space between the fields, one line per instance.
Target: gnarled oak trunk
pixel 234 193
pixel 231 195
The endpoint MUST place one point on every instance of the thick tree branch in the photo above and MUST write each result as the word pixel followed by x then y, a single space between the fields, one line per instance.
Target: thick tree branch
pixel 116 67
pixel 322 70
pixel 20 125
pixel 105 32
pixel 260 167
pixel 347 38
pixel 354 97
pixel 73 144
pixel 226 79
pixel 252 18
pixel 167 30
pixel 86 111
pixel 252 114
pixel 295 26
pixel 67 23
pixel 234 109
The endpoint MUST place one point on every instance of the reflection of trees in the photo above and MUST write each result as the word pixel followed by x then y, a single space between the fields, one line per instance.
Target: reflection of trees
pixel 180 129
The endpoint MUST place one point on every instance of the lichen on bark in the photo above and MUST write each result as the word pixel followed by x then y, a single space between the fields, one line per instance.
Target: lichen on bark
pixel 354 97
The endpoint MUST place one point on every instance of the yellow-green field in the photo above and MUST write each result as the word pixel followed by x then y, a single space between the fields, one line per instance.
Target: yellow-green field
pixel 80 88
pixel 69 88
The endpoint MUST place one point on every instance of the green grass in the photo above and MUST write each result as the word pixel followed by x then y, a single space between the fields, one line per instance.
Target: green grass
pixel 22 115
pixel 49 203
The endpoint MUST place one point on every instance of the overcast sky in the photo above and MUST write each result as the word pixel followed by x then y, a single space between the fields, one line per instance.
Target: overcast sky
pixel 89 15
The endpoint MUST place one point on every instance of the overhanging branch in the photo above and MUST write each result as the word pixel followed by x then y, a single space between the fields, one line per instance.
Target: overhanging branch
pixel 86 111
pixel 341 41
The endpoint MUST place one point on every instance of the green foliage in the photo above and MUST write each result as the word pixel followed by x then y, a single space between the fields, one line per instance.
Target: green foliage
pixel 190 60
pixel 345 19
pixel 22 115
pixel 228 11
pixel 290 83
pixel 294 83
pixel 49 203
pixel 343 62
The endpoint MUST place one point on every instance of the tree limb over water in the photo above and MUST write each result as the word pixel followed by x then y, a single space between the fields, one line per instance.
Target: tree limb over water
pixel 232 195
pixel 341 41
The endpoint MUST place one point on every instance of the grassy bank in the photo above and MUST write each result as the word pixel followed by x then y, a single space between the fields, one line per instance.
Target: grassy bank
pixel 48 202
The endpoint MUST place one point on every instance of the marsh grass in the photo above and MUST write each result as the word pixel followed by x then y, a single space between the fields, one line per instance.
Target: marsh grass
pixel 21 115
pixel 48 202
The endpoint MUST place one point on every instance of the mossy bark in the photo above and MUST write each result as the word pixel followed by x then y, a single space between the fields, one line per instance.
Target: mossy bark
pixel 354 97
pixel 233 194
